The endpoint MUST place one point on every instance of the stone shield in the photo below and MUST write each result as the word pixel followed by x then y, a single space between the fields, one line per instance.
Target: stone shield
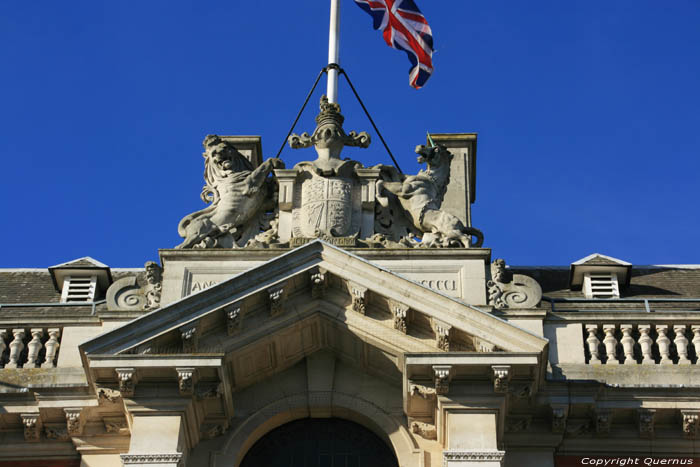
pixel 326 206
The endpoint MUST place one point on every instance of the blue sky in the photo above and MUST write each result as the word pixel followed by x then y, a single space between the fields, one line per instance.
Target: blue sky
pixel 587 115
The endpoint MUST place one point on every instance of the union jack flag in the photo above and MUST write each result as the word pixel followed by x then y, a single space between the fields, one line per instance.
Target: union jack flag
pixel 404 28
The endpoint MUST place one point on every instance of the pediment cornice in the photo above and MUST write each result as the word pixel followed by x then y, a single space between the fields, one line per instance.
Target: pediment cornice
pixel 352 282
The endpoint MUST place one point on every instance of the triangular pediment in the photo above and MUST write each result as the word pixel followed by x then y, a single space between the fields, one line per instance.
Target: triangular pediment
pixel 384 294
pixel 314 297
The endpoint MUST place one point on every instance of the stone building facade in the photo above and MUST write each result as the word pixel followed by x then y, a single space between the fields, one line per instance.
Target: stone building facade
pixel 356 297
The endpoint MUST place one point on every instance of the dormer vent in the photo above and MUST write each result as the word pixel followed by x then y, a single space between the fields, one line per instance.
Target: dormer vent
pixel 600 285
pixel 81 280
pixel 79 289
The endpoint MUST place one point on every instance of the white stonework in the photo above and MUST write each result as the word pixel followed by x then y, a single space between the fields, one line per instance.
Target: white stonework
pixel 334 290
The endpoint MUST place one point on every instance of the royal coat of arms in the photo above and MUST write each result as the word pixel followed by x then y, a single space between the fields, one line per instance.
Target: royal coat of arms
pixel 326 207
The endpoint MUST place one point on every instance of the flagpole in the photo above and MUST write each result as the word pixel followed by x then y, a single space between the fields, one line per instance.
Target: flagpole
pixel 333 46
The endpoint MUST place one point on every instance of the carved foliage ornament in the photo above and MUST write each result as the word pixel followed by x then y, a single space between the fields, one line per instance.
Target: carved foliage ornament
pixel 508 290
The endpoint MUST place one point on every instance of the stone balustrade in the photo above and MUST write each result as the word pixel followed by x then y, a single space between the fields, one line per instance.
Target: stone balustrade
pixel 648 344
pixel 29 347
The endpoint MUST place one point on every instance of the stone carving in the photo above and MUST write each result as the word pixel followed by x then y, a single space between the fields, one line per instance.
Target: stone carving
pixel 33 348
pixel 154 278
pixel 690 423
pixel 190 338
pixel 208 391
pixel 276 298
pixel 239 196
pixel 603 420
pixel 16 347
pixel 420 198
pixel 212 431
pixel 56 432
pixel 32 426
pixel 127 381
pixel 508 290
pixel 148 459
pixel 515 424
pixel 442 334
pixel 3 345
pixel 116 425
pixel 610 343
pixel 559 415
pixel 319 282
pixel 328 139
pixel 501 378
pixel 425 430
pixel 681 343
pixel 108 395
pixel 185 379
pixel 593 344
pixel 452 457
pixel 482 345
pixel 359 297
pixel 233 318
pixel 442 378
pixel 422 391
pixel 51 346
pixel 400 313
pixel 127 294
pixel 74 422
pixel 646 422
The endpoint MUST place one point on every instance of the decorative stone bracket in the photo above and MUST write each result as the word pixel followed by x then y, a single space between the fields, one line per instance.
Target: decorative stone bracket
pixel 359 297
pixel 559 416
pixel 501 378
pixel 32 426
pixel 690 423
pixel 442 334
pixel 400 313
pixel 234 318
pixel 319 281
pixel 186 380
pixel 74 421
pixel 190 337
pixel 127 381
pixel 443 375
pixel 277 297
pixel 603 420
pixel 646 422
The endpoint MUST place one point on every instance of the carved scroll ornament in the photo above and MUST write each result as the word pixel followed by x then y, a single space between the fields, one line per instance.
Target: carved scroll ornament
pixel 508 290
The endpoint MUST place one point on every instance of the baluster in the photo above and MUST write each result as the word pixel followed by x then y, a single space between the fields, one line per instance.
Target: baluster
pixel 664 344
pixel 645 344
pixel 3 345
pixel 681 344
pixel 628 344
pixel 593 343
pixel 696 342
pixel 610 344
pixel 34 347
pixel 16 347
pixel 52 346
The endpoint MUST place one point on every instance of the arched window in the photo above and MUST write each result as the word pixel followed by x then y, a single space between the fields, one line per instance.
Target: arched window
pixel 320 442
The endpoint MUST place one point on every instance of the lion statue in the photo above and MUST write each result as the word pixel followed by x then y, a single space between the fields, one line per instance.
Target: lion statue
pixel 239 197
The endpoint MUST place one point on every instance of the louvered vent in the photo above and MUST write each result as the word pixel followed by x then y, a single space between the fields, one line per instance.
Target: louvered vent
pixel 79 289
pixel 601 285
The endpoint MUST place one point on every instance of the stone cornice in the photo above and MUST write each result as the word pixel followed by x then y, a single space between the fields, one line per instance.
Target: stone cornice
pixel 171 458
pixel 453 456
